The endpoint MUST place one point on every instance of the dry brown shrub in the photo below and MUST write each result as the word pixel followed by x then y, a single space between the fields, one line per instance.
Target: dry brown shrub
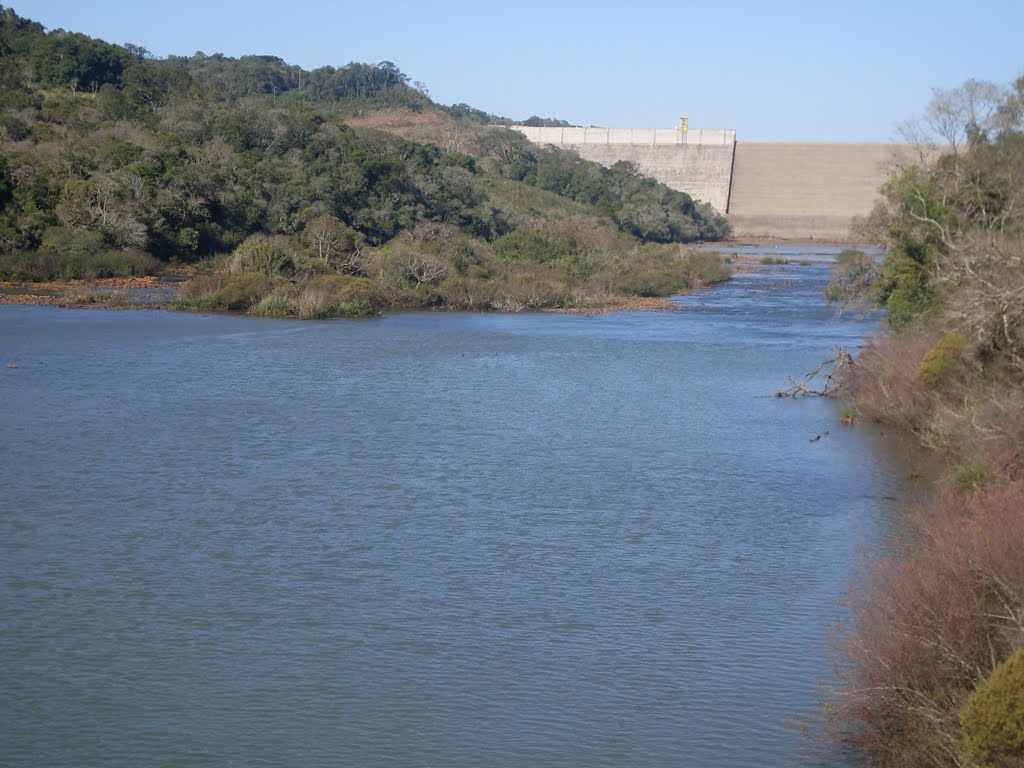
pixel 884 381
pixel 930 622
pixel 976 414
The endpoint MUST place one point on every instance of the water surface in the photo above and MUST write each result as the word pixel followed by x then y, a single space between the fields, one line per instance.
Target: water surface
pixel 426 539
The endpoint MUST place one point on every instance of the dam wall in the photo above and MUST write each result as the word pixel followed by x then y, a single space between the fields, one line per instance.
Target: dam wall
pixel 805 190
pixel 768 189
pixel 698 162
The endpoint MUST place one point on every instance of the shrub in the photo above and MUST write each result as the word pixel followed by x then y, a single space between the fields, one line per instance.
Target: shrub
pixel 706 268
pixel 209 293
pixel 109 264
pixel 930 623
pixel 339 295
pixel 528 290
pixel 70 254
pixel 851 283
pixel 29 266
pixel 940 360
pixel 244 291
pixel 276 304
pixel 200 294
pixel 652 270
pixel 261 254
pixel 201 285
pixel 885 385
pixel 68 242
pixel 967 476
pixel 528 246
pixel 993 716
pixel 458 292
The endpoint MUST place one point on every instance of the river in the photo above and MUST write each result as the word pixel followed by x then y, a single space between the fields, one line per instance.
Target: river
pixel 429 539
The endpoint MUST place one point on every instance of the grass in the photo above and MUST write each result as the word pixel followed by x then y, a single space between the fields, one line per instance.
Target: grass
pixel 969 475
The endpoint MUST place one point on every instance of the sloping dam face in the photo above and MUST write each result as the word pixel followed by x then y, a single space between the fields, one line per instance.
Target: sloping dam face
pixel 803 190
pixel 768 189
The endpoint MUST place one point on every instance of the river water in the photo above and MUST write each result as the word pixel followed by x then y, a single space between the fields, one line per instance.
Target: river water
pixel 428 539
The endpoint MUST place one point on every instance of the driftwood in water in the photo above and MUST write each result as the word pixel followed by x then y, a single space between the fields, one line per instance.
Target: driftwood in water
pixel 823 381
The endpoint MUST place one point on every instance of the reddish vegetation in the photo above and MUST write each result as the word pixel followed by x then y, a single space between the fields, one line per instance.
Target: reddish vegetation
pixel 970 413
pixel 932 621
pixel 936 614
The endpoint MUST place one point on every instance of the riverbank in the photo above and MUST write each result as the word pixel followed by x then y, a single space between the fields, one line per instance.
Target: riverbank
pixel 149 291
pixel 940 615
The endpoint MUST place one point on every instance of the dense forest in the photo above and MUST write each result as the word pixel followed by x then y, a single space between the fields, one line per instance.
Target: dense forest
pixel 114 163
pixel 935 650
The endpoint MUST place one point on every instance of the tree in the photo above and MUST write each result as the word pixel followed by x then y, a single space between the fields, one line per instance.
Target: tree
pixel 335 244
pixel 958 115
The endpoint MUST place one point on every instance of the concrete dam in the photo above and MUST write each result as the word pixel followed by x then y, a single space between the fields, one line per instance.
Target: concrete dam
pixel 767 189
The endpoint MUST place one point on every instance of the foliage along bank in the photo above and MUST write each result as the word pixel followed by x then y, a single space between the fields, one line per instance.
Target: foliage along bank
pixel 933 675
pixel 113 163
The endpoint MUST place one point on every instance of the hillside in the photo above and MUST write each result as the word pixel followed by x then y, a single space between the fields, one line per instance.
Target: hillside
pixel 115 163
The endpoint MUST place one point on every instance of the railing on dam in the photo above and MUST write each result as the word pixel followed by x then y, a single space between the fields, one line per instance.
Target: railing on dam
pixel 633 136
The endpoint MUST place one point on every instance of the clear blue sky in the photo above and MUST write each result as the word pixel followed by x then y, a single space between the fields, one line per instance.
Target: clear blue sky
pixel 811 71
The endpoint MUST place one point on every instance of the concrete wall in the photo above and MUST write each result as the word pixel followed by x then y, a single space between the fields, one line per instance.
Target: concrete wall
pixel 698 162
pixel 777 189
pixel 802 190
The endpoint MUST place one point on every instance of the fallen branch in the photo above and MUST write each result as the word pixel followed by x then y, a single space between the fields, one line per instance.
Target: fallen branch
pixel 829 369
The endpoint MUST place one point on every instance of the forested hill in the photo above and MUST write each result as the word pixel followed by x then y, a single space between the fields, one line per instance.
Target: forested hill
pixel 106 150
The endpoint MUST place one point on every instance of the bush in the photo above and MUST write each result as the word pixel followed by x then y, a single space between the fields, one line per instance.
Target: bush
pixel 73 243
pixel 993 716
pixel 930 623
pixel 244 291
pixel 339 295
pixel 851 283
pixel 472 293
pixel 706 268
pixel 263 255
pixel 652 270
pixel 528 246
pixel 209 293
pixel 940 360
pixel 109 264
pixel 276 304
pixel 967 476
pixel 74 255
pixel 29 266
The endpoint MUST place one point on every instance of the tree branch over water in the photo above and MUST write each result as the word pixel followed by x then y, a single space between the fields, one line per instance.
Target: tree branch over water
pixel 823 381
